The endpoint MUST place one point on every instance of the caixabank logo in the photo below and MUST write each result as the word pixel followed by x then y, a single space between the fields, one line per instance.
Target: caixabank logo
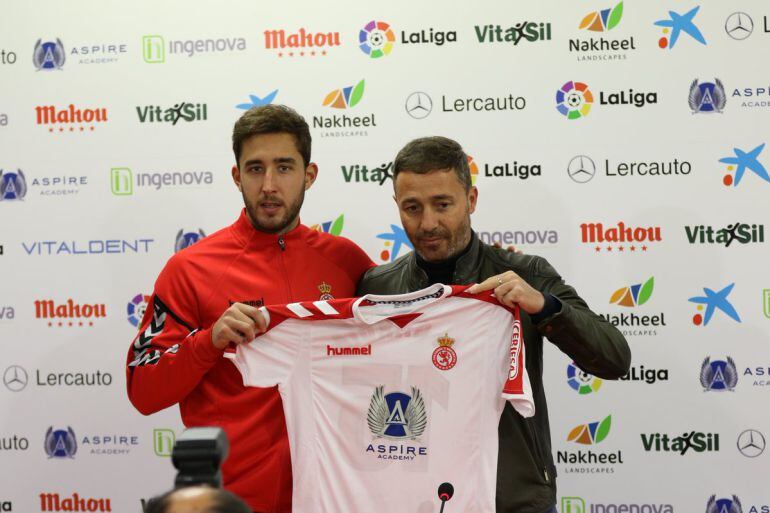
pixel 70 119
pixel 631 320
pixel 590 461
pixel 581 505
pixel 575 99
pixel 620 237
pixel 598 43
pixel 742 161
pixel 679 24
pixel 689 442
pixel 401 419
pixel 73 502
pixel 395 242
pixel 713 302
pixel 352 123
pixel 301 42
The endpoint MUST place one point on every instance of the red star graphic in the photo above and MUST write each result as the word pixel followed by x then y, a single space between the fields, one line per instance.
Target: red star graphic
pixel 312 53
pixel 72 129
pixel 90 323
pixel 620 248
pixel 280 54
pixel 81 129
pixel 50 129
pixel 598 249
pixel 301 54
pixel 633 248
pixel 92 128
pixel 609 248
pixel 323 52
pixel 644 248
pixel 61 129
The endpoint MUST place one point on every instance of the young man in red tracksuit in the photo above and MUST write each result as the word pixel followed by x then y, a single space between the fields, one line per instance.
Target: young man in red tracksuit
pixel 207 296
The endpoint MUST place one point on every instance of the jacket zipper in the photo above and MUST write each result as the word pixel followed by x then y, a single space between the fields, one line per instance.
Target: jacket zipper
pixel 539 452
pixel 282 245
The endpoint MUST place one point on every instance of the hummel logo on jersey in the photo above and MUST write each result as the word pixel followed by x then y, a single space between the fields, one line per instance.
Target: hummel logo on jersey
pixel 397 415
pixel 256 303
pixel 349 351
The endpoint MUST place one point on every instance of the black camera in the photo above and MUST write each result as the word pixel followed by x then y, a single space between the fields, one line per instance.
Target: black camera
pixel 198 455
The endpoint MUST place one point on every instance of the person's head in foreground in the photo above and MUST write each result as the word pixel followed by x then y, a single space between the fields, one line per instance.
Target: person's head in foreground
pixel 197 499
pixel 435 196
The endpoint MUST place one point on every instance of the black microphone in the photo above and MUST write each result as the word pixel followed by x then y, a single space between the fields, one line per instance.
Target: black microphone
pixel 445 492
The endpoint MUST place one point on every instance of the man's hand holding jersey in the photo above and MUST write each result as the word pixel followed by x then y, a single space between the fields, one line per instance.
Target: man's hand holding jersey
pixel 509 289
pixel 238 324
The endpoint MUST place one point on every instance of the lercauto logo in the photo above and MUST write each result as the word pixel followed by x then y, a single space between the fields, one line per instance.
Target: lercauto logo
pixel 346 97
pixel 331 227
pixel 376 39
pixel 574 100
pixel 592 433
pixel 256 101
pixel 742 161
pixel 675 25
pixel 580 381
pixel 718 375
pixel 394 241
pixel 604 20
pixel 136 308
pixel 713 301
pixel 634 295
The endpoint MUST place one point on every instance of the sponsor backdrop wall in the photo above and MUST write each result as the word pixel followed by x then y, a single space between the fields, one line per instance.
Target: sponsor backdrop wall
pixel 623 141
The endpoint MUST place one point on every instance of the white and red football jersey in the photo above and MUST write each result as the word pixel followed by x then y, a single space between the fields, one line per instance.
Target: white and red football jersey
pixel 388 397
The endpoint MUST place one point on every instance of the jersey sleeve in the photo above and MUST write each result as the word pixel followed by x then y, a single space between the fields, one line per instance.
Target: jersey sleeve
pixel 171 353
pixel 270 358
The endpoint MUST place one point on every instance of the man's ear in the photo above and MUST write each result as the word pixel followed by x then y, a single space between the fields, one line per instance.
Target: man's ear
pixel 473 196
pixel 311 173
pixel 236 174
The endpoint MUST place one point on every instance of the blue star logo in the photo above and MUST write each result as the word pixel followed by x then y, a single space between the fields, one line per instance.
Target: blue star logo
pixel 256 101
pixel 682 23
pixel 716 300
pixel 398 237
pixel 744 160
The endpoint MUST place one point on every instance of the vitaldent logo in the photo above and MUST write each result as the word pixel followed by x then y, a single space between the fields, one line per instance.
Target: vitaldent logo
pixel 302 43
pixel 632 323
pixel 694 441
pixel 590 461
pixel 579 505
pixel 123 182
pixel 87 247
pixel 182 111
pixel 521 32
pixel 738 233
pixel 344 125
pixel 154 50
pixel 601 47
pixel 71 118
pixel 619 237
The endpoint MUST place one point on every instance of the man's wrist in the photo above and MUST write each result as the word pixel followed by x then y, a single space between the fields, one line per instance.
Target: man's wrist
pixel 551 306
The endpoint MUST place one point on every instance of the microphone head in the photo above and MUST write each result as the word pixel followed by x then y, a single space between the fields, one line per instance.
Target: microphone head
pixel 445 491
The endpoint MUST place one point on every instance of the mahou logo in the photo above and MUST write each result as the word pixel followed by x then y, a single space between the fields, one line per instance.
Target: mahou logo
pixel 56 502
pixel 70 119
pixel 619 237
pixel 69 313
pixel 302 43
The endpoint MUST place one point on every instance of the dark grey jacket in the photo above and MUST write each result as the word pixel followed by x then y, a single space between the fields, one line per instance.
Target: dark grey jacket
pixel 525 470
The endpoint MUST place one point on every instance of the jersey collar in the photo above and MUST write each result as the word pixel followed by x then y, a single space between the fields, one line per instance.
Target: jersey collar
pixel 248 235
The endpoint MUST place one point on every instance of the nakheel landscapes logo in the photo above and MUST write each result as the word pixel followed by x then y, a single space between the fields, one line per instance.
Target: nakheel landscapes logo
pixel 590 461
pixel 634 322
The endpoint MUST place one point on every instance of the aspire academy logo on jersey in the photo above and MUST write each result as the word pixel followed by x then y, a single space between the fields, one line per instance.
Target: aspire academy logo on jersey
pixel 601 47
pixel 738 233
pixel 632 323
pixel 74 502
pixel 69 313
pixel 182 111
pixel 344 125
pixel 70 118
pixel 398 417
pixel 619 238
pixel 694 441
pixel 590 461
pixel 302 43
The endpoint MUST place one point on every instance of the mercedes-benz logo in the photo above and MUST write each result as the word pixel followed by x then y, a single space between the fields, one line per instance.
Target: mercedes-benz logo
pixel 15 378
pixel 581 169
pixel 418 105
pixel 739 25
pixel 751 443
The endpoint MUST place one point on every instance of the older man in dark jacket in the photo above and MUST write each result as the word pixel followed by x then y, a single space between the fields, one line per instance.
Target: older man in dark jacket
pixel 435 199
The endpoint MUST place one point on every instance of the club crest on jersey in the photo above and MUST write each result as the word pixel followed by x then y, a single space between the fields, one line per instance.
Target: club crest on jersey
pixel 397 416
pixel 444 356
pixel 326 291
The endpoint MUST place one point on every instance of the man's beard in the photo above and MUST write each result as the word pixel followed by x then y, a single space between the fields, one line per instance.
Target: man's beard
pixel 455 242
pixel 275 225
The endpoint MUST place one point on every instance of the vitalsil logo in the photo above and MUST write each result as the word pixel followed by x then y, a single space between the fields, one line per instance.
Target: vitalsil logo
pixel 580 381
pixel 186 239
pixel 718 375
pixel 71 118
pixel 679 24
pixel 590 461
pixel 694 441
pixel 601 47
pixel 521 32
pixel 74 502
pixel 154 50
pixel 579 505
pixel 707 97
pixel 182 111
pixel 619 237
pixel 742 161
pixel 738 233
pixel 331 227
pixel 69 314
pixel 359 173
pixel 301 43
pixel 574 100
pixel 395 240
pixel 712 302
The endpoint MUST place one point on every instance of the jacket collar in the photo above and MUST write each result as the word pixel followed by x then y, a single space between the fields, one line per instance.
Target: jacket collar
pixel 466 268
pixel 247 235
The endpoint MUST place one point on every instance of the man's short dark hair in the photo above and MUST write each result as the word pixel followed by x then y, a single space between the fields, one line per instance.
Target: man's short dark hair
pixel 272 119
pixel 428 154
pixel 222 501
